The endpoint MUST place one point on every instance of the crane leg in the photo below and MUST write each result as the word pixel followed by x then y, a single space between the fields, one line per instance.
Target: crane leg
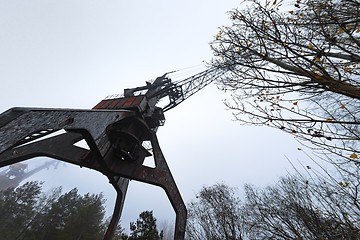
pixel 160 176
pixel 167 182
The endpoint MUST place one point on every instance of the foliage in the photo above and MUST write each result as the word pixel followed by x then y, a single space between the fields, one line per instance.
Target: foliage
pixel 74 216
pixel 215 214
pixel 144 228
pixel 17 208
pixel 296 67
pixel 26 213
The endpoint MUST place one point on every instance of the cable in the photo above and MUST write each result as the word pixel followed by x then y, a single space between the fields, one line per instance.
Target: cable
pixel 187 72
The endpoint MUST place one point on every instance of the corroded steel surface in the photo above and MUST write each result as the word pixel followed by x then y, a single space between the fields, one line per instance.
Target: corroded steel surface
pixel 120 103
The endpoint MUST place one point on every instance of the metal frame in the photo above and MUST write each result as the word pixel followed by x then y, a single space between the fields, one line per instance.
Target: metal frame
pixel 21 130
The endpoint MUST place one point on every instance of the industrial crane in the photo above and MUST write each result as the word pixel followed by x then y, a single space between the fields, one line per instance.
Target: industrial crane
pixel 18 172
pixel 120 132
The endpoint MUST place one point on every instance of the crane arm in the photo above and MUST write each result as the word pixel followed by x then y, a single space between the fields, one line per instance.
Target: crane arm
pixel 177 91
pixel 145 99
pixel 181 90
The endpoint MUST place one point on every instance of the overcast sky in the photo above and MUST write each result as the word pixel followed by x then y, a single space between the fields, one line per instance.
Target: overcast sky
pixel 72 54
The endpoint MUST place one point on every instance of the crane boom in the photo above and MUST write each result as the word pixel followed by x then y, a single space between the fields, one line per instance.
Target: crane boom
pixel 177 91
pixel 190 86
pixel 145 99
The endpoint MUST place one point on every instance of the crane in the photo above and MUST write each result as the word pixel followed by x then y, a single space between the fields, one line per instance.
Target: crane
pixel 18 172
pixel 120 132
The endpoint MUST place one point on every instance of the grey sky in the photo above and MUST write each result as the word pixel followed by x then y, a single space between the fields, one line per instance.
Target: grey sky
pixel 72 53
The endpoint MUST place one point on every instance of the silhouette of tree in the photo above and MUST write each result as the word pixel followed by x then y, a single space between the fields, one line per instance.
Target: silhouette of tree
pixel 215 214
pixel 26 213
pixel 145 228
pixel 17 208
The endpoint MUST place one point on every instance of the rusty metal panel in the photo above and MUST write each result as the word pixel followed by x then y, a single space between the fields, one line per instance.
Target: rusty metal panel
pixel 126 102
pixel 129 101
pixel 107 104
pixel 114 103
pixel 120 104
pixel 138 100
pixel 100 104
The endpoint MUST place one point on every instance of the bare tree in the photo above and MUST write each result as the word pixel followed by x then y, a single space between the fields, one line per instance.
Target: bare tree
pixel 315 205
pixel 215 214
pixel 167 228
pixel 319 204
pixel 296 67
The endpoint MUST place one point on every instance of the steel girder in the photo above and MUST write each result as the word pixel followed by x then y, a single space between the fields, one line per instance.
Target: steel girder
pixel 22 129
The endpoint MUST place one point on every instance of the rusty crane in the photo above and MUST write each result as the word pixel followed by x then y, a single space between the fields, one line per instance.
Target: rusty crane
pixel 120 132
